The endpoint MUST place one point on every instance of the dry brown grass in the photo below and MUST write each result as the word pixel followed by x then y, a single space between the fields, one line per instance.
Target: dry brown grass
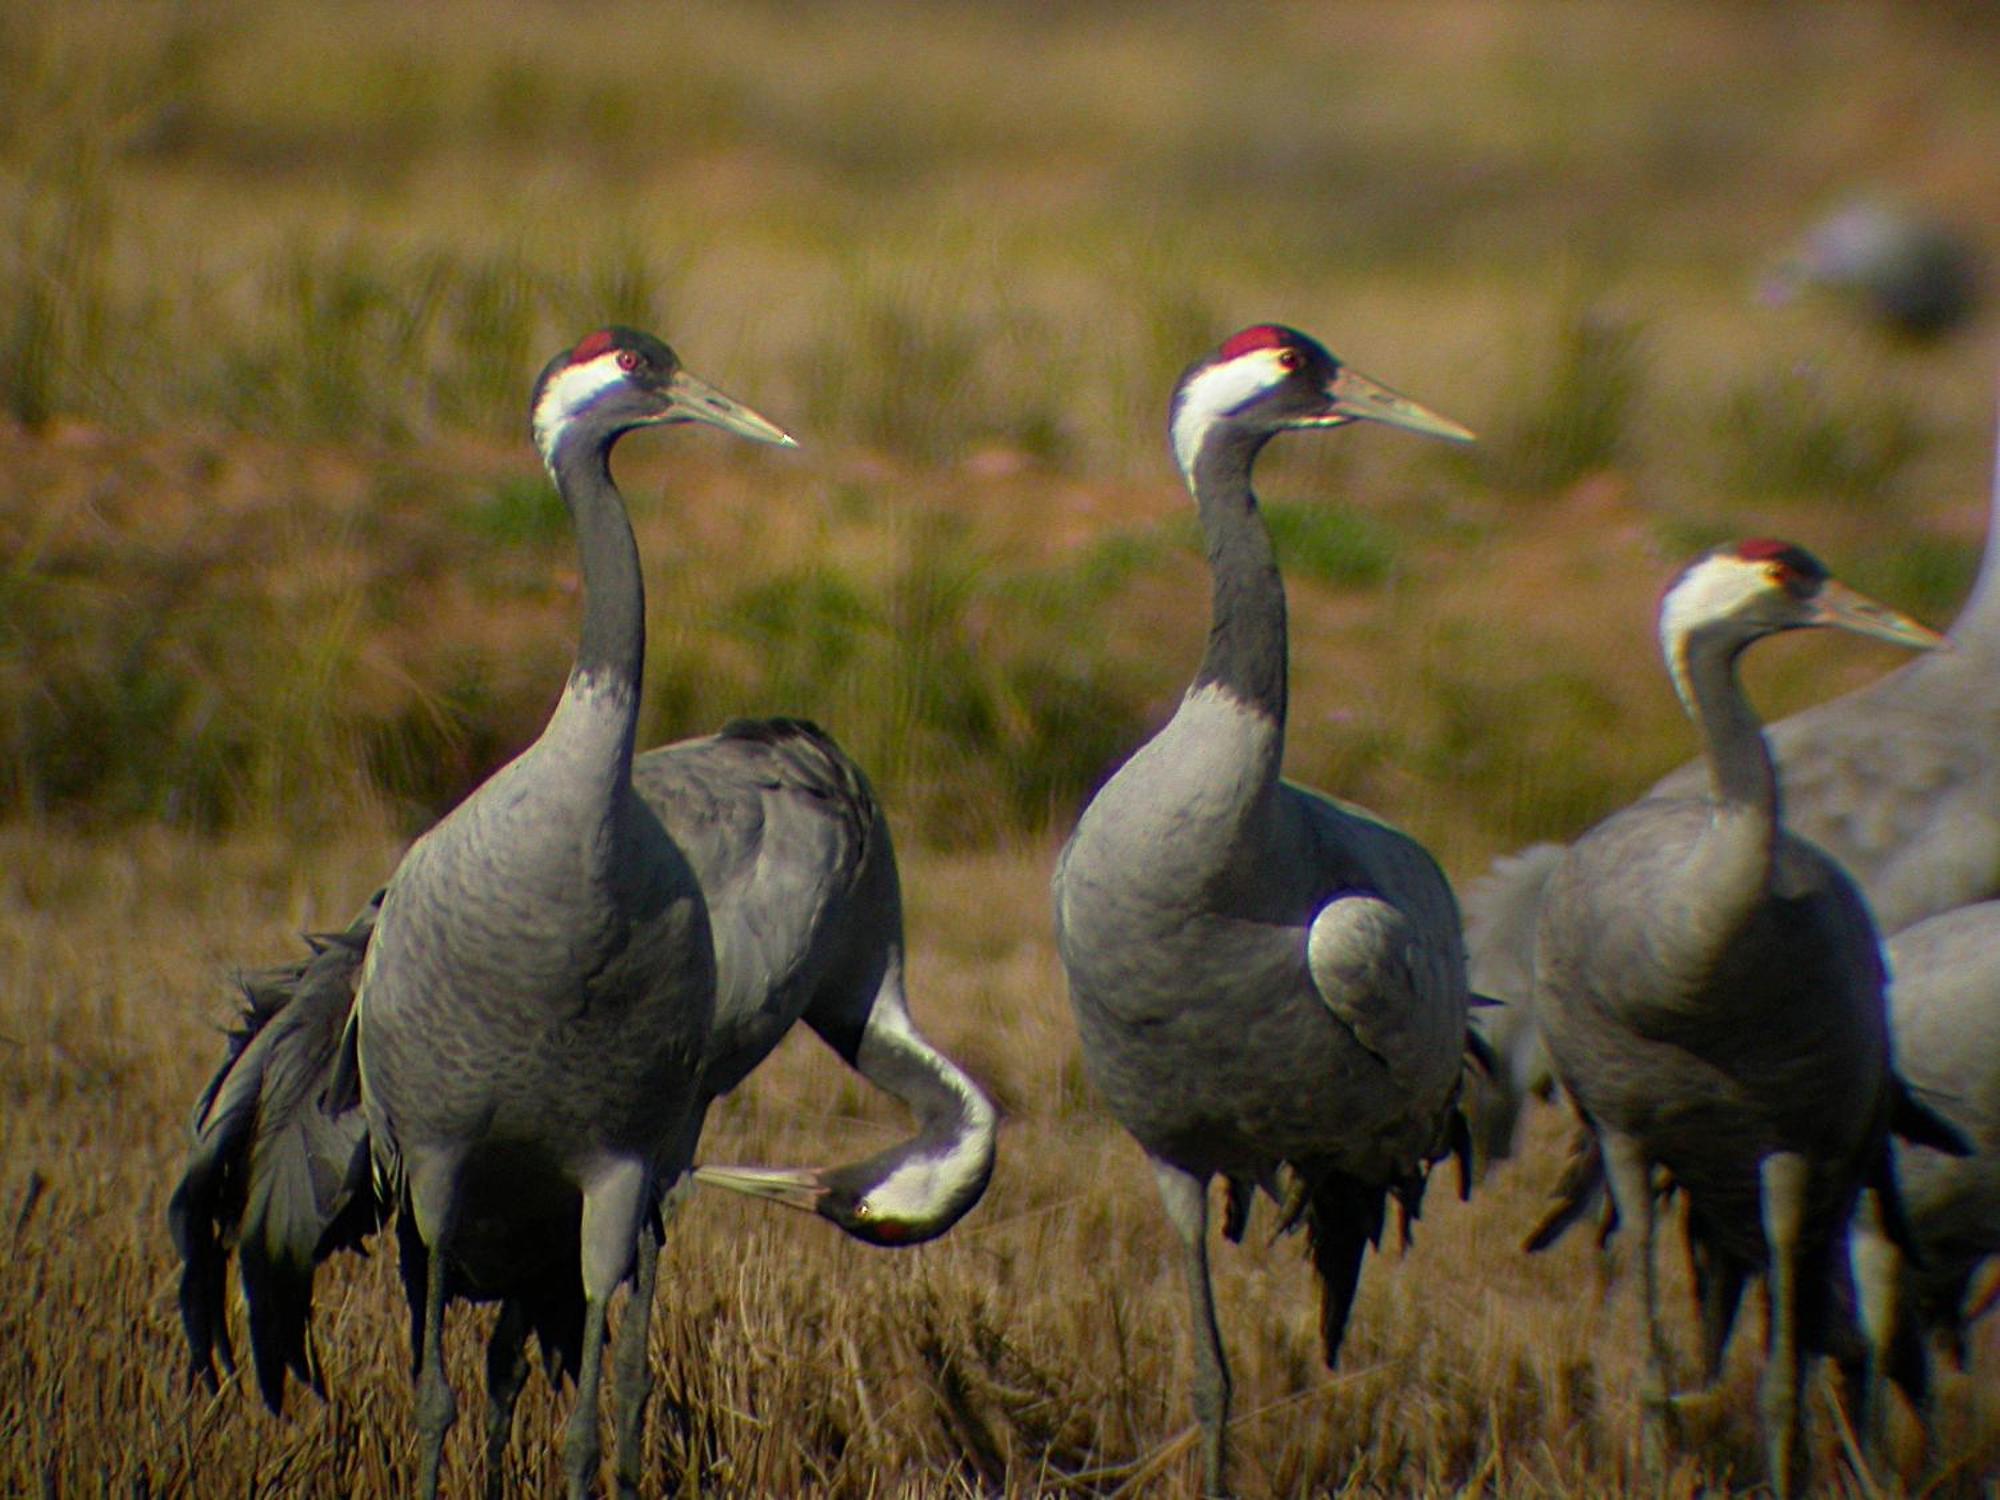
pixel 273 277
pixel 1038 1349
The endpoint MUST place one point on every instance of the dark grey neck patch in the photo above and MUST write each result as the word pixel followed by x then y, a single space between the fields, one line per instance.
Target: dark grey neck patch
pixel 611 648
pixel 1247 633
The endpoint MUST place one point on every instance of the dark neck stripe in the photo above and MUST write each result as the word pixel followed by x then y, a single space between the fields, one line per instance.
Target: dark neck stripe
pixel 1247 642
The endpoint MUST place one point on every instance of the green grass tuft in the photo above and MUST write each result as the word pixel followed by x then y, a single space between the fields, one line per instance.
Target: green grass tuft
pixel 1579 421
pixel 1341 548
pixel 520 510
pixel 1791 434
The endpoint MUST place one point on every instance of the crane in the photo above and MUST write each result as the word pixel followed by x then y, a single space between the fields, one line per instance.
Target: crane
pixel 793 855
pixel 1898 781
pixel 1711 990
pixel 1265 980
pixel 536 995
pixel 1915 275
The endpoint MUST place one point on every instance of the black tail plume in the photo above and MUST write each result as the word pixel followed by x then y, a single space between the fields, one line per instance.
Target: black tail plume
pixel 1919 1124
pixel 271 1174
pixel 1343 1218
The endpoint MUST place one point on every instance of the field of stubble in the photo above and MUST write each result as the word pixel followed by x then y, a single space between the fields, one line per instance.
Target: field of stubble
pixel 279 581
pixel 1037 1349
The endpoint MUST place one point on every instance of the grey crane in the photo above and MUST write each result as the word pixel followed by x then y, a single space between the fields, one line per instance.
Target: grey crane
pixel 536 996
pixel 1917 277
pixel 1711 990
pixel 795 862
pixel 1264 979
pixel 1944 1006
pixel 1898 781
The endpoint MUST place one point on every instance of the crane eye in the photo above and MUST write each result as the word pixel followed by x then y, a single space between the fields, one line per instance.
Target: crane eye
pixel 862 1212
pixel 1783 575
pixel 628 360
pixel 1289 360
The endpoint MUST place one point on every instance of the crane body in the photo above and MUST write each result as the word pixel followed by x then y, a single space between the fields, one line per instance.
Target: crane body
pixel 1268 985
pixel 1711 990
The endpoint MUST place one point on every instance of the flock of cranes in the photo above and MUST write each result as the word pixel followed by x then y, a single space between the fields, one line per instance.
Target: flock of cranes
pixel 511 1051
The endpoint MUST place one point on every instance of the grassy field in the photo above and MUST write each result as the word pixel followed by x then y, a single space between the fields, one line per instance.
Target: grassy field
pixel 280 580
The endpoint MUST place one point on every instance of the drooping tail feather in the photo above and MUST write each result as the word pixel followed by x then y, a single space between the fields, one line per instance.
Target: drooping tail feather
pixel 1919 1124
pixel 1343 1218
pixel 272 1173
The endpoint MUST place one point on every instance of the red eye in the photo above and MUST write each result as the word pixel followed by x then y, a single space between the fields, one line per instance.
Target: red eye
pixel 628 360
pixel 1288 359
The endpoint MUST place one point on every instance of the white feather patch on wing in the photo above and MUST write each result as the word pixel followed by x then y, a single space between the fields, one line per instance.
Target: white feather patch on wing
pixel 1361 953
pixel 571 392
pixel 1217 391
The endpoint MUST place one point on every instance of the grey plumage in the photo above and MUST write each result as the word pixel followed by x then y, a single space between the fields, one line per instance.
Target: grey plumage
pixel 794 858
pixel 537 990
pixel 1945 1016
pixel 1914 274
pixel 284 1178
pixel 1501 909
pixel 1269 985
pixel 1711 991
pixel 1898 781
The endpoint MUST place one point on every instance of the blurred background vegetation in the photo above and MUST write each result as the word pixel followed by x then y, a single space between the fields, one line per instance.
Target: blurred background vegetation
pixel 275 278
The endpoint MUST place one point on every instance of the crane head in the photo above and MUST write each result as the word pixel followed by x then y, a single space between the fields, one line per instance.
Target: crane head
pixel 1269 378
pixel 902 1196
pixel 1743 591
pixel 617 379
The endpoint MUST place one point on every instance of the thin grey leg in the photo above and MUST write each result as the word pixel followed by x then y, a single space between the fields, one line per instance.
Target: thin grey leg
pixel 1630 1176
pixel 614 1208
pixel 1784 1177
pixel 633 1378
pixel 1186 1199
pixel 1877 1267
pixel 583 1450
pixel 437 1408
pixel 506 1373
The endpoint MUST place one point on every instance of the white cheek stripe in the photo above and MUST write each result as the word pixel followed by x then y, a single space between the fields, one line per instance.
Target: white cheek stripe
pixel 918 1190
pixel 1709 589
pixel 569 393
pixel 1219 389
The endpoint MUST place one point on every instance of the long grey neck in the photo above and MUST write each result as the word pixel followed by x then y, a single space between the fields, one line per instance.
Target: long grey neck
pixel 949 1106
pixel 1730 869
pixel 1246 634
pixel 956 1122
pixel 1978 623
pixel 611 649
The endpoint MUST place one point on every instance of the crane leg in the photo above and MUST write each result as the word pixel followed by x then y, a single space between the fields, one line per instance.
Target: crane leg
pixel 437 1408
pixel 506 1373
pixel 1718 1280
pixel 1878 1267
pixel 1784 1176
pixel 1630 1176
pixel 614 1204
pixel 633 1378
pixel 1185 1197
pixel 583 1451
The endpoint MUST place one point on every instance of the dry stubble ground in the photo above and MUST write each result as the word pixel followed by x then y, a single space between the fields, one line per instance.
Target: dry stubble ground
pixel 239 237
pixel 1038 1349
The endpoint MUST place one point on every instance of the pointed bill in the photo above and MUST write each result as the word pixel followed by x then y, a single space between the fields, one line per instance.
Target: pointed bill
pixel 1850 609
pixel 692 399
pixel 1353 397
pixel 794 1187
